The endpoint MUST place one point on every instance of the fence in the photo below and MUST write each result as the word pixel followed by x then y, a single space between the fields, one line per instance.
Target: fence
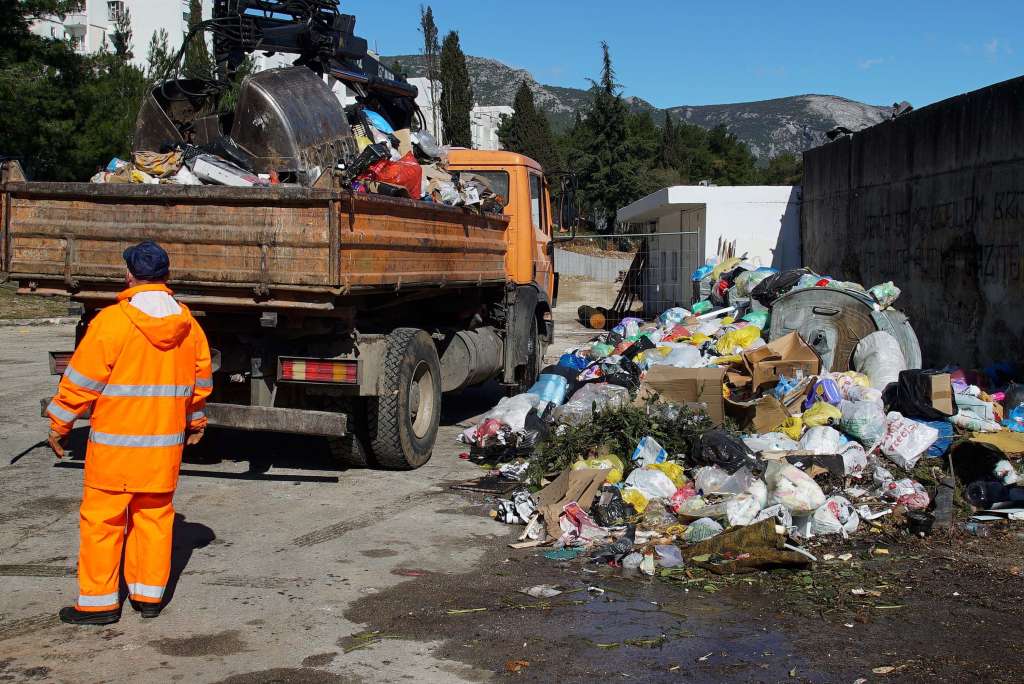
pixel 655 278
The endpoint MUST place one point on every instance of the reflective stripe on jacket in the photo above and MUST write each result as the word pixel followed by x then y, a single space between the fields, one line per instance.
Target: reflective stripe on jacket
pixel 146 380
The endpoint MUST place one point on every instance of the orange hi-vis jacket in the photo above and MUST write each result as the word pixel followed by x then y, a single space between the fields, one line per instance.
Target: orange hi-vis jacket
pixel 146 380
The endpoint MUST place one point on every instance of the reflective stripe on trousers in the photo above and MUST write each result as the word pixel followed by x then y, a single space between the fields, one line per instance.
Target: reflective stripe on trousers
pixel 98 601
pixel 109 439
pixel 146 590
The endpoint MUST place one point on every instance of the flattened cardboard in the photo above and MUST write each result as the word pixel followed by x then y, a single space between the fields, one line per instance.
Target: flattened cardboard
pixel 782 357
pixel 687 386
pixel 764 414
pixel 580 486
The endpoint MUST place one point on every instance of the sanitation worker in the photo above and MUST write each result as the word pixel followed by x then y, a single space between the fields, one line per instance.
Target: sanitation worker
pixel 143 369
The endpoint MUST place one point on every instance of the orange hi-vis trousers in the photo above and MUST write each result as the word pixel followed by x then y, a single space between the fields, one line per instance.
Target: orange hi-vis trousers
pixel 106 519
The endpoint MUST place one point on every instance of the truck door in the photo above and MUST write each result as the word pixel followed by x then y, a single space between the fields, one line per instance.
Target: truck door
pixel 540 219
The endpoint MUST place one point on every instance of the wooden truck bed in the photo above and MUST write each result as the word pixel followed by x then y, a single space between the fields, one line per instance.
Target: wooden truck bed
pixel 277 247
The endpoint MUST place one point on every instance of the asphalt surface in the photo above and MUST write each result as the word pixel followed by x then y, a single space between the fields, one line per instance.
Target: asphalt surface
pixel 272 546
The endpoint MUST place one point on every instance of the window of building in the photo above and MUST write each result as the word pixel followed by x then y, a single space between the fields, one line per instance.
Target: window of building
pixel 115 10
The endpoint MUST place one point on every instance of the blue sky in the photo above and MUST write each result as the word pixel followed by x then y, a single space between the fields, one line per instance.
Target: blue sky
pixel 684 52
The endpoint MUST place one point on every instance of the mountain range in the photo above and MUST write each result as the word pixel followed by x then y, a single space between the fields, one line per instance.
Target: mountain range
pixel 769 127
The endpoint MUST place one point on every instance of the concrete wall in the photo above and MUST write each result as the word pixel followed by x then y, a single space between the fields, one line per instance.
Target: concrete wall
pixel 934 201
pixel 764 222
pixel 602 269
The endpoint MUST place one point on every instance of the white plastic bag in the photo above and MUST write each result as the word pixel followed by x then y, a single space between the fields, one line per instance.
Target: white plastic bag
pixel 680 355
pixel 855 460
pixel 910 493
pixel 770 441
pixel 863 421
pixel 715 480
pixel 836 516
pixel 512 410
pixel 793 488
pixel 905 440
pixel 779 512
pixel 741 510
pixel 648 451
pixel 1005 471
pixel 702 529
pixel 653 483
pixel 821 440
pixel 592 396
pixel 880 358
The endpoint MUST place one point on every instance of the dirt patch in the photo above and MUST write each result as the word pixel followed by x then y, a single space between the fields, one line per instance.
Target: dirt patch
pixel 288 675
pixel 935 610
pixel 319 660
pixel 379 553
pixel 218 644
pixel 14 306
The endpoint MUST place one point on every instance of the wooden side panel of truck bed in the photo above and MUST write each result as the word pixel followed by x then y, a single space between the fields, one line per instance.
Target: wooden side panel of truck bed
pixel 71 236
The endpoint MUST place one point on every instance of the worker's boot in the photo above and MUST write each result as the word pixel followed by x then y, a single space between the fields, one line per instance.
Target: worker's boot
pixel 73 616
pixel 145 609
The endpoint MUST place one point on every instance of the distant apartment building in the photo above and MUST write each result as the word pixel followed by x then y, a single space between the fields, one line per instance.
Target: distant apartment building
pixel 91 26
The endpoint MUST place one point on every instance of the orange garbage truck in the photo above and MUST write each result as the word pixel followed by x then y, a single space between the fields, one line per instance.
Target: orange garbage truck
pixel 328 312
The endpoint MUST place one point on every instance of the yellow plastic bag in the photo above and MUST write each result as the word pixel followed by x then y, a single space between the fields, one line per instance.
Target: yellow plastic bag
pixel 792 427
pixel 721 268
pixel 613 464
pixel 858 378
pixel 635 498
pixel 673 470
pixel 698 339
pixel 735 341
pixel 822 413
pixel 728 320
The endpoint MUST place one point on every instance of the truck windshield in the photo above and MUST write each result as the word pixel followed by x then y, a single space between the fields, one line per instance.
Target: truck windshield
pixel 497 180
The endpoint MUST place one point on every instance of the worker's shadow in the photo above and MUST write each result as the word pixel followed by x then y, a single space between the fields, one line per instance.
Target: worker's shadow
pixel 188 536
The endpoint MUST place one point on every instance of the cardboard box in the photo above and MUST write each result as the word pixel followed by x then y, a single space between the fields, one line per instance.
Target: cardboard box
pixel 763 415
pixel 782 357
pixel 687 386
pixel 941 393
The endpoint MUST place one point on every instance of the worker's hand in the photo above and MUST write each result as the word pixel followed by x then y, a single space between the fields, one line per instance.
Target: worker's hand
pixel 56 443
pixel 195 436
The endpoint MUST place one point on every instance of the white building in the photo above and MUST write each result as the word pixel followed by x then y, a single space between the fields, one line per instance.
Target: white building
pixel 90 29
pixel 687 224
pixel 484 122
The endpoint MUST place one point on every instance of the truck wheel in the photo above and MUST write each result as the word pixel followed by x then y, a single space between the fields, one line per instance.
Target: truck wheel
pixel 403 418
pixel 349 451
pixel 527 374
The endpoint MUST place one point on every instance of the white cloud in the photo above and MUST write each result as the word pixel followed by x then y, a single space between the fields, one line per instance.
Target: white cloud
pixel 866 64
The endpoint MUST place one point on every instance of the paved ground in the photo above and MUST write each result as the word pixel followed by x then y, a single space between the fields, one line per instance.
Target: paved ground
pixel 286 570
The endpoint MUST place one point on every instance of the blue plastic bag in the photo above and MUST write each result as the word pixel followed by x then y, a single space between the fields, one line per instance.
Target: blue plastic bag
pixel 572 361
pixel 378 122
pixel 702 273
pixel 1015 420
pixel 945 440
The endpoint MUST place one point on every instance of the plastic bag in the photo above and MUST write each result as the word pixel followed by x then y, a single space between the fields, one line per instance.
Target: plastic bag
pixel 793 488
pixel 1014 421
pixel 682 494
pixel 821 440
pixel 745 282
pixel 758 318
pixel 824 389
pixel 701 307
pixel 405 173
pixel 652 483
pixel 702 529
pixel 885 294
pixel 880 358
pixel 735 341
pixel 792 427
pixel 512 410
pixel 945 440
pixel 863 421
pixel 855 460
pixel 680 355
pixel 588 399
pixel 835 516
pixel 648 451
pixel 776 285
pixel 609 509
pixel 573 362
pixel 717 447
pixel 517 510
pixel 673 470
pixel 907 492
pixel 906 440
pixel 635 498
pixel 779 512
pixel 770 441
pixel 628 328
pixel 1005 471
pixel 821 414
pixel 714 480
pixel 550 388
pixel 911 395
pixel 741 510
pixel 673 316
pixel 668 555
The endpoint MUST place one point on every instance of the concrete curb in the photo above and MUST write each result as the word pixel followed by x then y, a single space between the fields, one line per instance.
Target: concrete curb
pixel 21 322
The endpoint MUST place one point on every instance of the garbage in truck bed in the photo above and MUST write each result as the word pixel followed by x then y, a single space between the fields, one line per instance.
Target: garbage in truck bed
pixel 395 163
pixel 743 443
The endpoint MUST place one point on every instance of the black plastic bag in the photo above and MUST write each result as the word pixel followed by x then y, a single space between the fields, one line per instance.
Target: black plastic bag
pixel 627 375
pixel 641 345
pixel 609 509
pixel 728 452
pixel 1014 397
pixel 776 285
pixel 910 395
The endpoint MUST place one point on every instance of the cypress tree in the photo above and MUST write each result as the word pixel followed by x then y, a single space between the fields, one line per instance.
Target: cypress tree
pixel 456 93
pixel 528 132
pixel 431 50
pixel 198 63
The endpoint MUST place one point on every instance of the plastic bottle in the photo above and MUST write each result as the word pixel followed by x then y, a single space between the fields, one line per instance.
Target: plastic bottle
pixel 550 388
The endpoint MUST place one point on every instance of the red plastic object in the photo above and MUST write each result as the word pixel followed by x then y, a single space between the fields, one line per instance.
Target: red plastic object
pixel 405 172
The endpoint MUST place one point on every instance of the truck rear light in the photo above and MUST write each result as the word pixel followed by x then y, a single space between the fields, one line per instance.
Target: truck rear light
pixel 332 371
pixel 59 361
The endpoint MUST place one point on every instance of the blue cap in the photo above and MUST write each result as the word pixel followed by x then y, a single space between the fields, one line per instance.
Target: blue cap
pixel 148 261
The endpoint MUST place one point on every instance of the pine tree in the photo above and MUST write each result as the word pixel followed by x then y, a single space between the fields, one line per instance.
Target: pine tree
pixel 198 63
pixel 610 177
pixel 159 57
pixel 528 132
pixel 668 154
pixel 456 93
pixel 431 51
pixel 121 37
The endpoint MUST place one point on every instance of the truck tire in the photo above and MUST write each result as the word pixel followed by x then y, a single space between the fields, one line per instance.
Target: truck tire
pixel 527 374
pixel 349 451
pixel 404 417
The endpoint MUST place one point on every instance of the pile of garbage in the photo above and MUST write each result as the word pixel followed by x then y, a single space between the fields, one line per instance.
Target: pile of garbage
pixel 390 162
pixel 693 439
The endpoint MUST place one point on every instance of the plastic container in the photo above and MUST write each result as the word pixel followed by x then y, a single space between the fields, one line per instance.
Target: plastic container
pixel 551 388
